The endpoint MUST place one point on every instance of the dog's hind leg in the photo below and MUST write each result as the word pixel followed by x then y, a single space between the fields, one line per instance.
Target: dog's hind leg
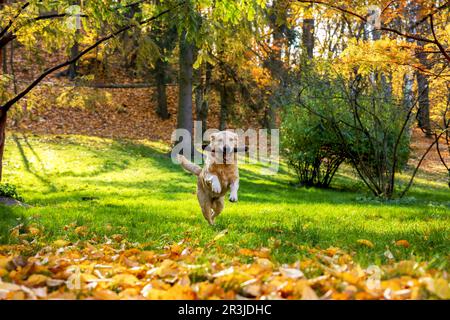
pixel 205 204
pixel 217 206
pixel 207 212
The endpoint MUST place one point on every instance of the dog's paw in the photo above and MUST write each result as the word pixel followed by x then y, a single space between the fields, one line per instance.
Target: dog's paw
pixel 215 186
pixel 233 198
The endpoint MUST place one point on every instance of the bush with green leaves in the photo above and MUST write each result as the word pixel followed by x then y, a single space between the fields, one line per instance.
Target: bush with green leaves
pixel 311 149
pixel 368 124
pixel 9 191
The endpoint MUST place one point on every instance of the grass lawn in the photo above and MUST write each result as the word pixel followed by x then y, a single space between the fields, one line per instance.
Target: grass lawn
pixel 133 189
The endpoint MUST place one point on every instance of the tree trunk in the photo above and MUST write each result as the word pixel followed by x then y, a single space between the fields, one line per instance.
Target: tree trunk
pixel 2 139
pixel 423 90
pixel 74 51
pixel 4 57
pixel 202 95
pixel 160 78
pixel 275 62
pixel 308 37
pixel 423 113
pixel 408 94
pixel 184 119
pixel 3 54
pixel 270 115
pixel 11 67
pixel 224 104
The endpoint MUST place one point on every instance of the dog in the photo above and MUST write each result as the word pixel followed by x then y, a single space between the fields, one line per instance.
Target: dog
pixel 219 174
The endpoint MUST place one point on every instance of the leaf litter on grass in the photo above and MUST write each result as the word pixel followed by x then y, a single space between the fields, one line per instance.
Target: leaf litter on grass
pixel 109 269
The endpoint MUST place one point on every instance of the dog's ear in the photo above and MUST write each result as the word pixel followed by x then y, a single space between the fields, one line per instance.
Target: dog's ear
pixel 212 137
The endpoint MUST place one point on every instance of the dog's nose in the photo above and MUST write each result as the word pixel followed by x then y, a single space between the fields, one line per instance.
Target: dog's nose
pixel 228 149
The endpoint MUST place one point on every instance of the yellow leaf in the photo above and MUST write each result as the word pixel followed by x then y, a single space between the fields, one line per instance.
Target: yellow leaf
pixel 60 243
pixel 4 261
pixel 3 272
pixel 441 288
pixel 221 234
pixel 125 279
pixel 81 231
pixel 365 242
pixel 86 277
pixel 117 237
pixel 36 280
pixel 105 295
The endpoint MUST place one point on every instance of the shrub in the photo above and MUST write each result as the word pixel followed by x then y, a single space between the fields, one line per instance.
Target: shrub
pixel 310 148
pixel 10 191
pixel 370 127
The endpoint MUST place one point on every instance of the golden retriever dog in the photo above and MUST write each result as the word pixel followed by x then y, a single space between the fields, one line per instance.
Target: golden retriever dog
pixel 219 174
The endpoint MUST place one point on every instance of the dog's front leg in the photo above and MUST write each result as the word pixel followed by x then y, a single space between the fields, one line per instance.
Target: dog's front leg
pixel 215 183
pixel 234 191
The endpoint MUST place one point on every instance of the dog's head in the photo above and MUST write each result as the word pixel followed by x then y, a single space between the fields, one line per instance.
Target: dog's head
pixel 223 146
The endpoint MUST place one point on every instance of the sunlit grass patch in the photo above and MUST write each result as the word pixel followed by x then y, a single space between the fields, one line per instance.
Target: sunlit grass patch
pixel 132 189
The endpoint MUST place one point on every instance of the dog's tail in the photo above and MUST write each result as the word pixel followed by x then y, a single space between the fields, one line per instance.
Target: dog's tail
pixel 189 166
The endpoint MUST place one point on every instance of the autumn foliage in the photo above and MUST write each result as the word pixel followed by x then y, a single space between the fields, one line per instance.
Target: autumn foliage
pixel 117 269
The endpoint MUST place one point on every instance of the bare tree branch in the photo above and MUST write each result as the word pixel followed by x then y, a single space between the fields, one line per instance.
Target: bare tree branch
pixel 439 44
pixel 420 162
pixel 19 96
pixel 10 23
pixel 395 31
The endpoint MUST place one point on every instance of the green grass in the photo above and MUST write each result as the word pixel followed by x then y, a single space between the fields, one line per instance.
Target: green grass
pixel 135 188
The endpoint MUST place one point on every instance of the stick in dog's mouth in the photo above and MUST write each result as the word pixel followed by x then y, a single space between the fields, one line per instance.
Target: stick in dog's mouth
pixel 207 147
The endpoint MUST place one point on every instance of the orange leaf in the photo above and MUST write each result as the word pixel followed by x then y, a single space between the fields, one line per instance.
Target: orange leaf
pixel 402 243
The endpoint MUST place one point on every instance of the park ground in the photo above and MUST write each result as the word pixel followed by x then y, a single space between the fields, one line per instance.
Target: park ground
pixel 111 187
pixel 118 218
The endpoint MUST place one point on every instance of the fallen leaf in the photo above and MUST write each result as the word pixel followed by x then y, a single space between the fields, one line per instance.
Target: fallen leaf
pixel 81 231
pixel 402 243
pixel 365 242
pixel 224 272
pixel 309 294
pixel 441 288
pixel 220 235
pixel 291 273
pixel 34 231
pixel 60 243
pixel 125 279
pixel 105 295
pixel 36 280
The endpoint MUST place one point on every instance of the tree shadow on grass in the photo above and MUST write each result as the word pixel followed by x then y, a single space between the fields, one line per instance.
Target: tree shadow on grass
pixel 41 177
pixel 8 219
pixel 344 190
pixel 255 187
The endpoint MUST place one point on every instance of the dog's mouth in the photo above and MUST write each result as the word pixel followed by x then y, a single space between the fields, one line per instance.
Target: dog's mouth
pixel 224 158
pixel 223 155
